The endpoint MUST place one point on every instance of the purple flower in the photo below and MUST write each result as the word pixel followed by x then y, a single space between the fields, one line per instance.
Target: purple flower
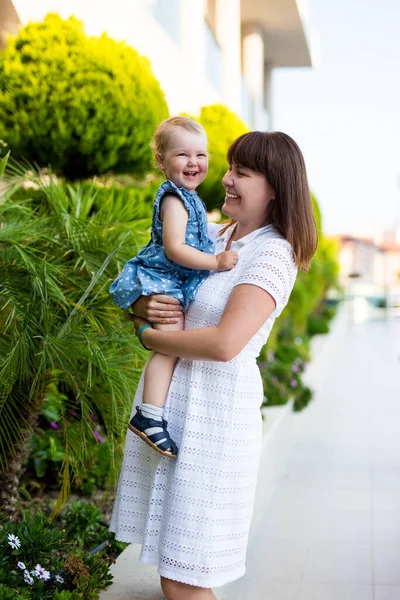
pixel 73 413
pixel 28 578
pixel 54 425
pixel 41 573
pixel 275 379
pixel 21 565
pixel 295 369
pixel 93 417
pixel 293 383
pixel 98 437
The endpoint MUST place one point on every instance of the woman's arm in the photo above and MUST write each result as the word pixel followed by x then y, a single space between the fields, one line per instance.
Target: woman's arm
pixel 175 217
pixel 247 309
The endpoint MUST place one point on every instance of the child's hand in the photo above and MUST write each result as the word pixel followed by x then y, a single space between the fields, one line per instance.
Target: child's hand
pixel 226 260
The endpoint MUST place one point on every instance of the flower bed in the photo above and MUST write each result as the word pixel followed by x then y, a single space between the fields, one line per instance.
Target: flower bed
pixel 67 558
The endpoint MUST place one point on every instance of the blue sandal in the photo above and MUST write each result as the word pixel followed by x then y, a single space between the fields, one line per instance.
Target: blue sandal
pixel 160 441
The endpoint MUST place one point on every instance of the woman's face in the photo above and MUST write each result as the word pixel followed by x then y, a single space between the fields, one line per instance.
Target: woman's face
pixel 247 197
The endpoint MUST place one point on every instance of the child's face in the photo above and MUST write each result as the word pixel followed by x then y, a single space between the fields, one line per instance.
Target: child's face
pixel 185 160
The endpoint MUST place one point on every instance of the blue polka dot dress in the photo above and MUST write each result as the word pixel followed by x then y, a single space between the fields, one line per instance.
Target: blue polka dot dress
pixel 151 271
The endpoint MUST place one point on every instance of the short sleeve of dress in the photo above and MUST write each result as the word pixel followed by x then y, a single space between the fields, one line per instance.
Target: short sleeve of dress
pixel 272 268
pixel 168 187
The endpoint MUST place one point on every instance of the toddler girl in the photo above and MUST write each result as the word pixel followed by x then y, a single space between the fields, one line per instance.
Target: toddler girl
pixel 175 261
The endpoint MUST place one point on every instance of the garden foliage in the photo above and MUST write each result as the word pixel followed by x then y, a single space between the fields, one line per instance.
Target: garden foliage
pixel 67 559
pixel 286 354
pixel 69 363
pixel 83 105
pixel 64 346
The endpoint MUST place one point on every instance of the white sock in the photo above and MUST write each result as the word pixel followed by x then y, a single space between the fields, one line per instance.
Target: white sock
pixel 152 412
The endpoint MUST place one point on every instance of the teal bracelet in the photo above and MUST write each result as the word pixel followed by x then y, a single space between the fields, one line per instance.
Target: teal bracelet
pixel 140 333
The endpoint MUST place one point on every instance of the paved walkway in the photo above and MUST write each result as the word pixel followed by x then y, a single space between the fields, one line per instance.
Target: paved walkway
pixel 331 530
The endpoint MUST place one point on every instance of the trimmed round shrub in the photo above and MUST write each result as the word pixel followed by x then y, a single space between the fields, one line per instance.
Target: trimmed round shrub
pixel 222 127
pixel 83 105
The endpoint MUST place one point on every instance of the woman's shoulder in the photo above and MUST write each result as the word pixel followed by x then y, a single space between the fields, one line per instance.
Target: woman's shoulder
pixel 275 245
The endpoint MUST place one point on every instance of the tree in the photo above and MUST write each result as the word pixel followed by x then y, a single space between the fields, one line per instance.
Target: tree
pixel 83 105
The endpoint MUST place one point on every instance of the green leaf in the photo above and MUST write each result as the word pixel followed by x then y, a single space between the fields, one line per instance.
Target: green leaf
pixel 3 163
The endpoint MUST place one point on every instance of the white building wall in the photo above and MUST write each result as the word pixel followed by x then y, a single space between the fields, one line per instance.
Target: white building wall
pixel 255 73
pixel 182 65
pixel 229 37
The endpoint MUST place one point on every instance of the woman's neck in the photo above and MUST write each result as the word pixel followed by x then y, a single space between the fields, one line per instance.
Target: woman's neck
pixel 243 229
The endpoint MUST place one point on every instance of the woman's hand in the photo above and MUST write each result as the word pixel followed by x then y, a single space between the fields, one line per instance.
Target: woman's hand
pixel 157 308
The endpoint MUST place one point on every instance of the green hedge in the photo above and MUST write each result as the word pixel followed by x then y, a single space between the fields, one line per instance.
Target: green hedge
pixel 83 105
pixel 286 354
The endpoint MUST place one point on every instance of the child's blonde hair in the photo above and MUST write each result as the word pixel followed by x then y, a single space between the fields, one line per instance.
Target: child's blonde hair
pixel 161 135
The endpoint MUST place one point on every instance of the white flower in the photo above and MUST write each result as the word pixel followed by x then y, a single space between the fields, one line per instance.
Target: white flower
pixel 41 573
pixel 21 565
pixel 28 578
pixel 59 579
pixel 14 541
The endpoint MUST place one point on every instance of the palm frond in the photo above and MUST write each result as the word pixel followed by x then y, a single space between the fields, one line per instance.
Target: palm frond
pixel 60 246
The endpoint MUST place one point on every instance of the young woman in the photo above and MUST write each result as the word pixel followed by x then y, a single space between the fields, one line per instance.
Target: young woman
pixel 192 516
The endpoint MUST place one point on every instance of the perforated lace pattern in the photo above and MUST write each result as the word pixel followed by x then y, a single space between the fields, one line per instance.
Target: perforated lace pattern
pixel 192 515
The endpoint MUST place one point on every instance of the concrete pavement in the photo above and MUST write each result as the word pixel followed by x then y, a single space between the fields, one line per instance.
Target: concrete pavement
pixel 331 530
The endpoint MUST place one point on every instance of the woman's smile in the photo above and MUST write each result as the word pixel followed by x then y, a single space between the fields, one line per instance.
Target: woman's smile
pixel 230 196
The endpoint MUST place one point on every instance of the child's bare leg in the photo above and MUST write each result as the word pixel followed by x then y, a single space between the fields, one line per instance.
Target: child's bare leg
pixel 159 371
pixel 157 379
pixel 148 421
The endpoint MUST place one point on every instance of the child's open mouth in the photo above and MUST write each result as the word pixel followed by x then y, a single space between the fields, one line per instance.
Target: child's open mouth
pixel 190 174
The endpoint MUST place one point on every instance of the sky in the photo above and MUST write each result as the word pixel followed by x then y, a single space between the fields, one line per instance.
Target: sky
pixel 345 113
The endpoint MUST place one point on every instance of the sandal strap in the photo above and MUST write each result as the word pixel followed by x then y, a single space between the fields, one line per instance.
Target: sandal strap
pixel 163 441
pixel 157 437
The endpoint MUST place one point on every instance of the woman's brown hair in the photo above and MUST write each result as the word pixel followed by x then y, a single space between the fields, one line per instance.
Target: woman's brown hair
pixel 277 156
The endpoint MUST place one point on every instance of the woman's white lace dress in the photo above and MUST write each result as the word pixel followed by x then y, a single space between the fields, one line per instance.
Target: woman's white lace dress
pixel 192 515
